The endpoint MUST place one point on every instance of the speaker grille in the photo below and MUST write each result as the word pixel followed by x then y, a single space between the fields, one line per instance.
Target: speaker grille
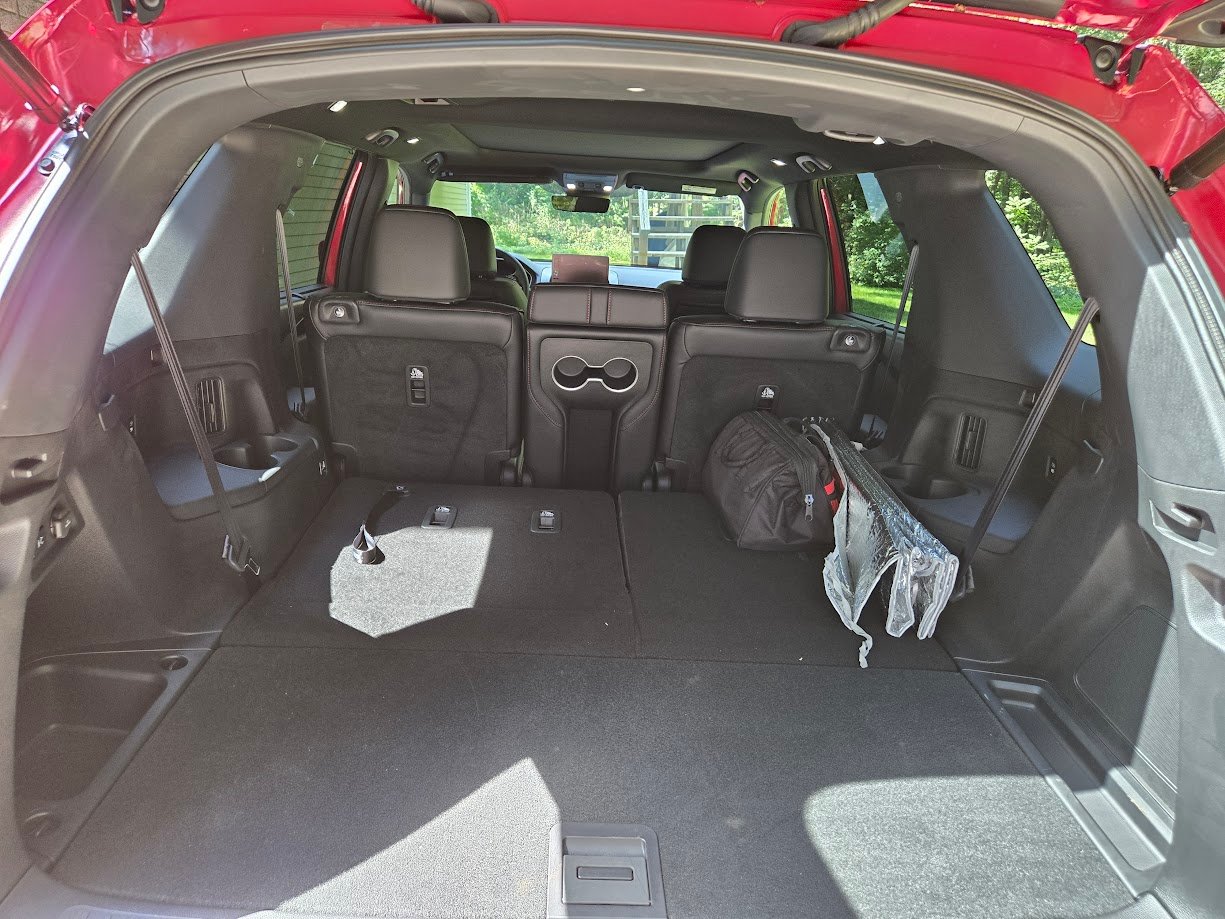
pixel 971 430
pixel 210 402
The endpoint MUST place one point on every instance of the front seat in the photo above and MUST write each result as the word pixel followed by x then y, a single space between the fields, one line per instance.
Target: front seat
pixel 419 382
pixel 708 265
pixel 773 350
pixel 487 284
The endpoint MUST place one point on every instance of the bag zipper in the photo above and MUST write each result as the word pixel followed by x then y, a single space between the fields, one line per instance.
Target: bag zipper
pixel 804 462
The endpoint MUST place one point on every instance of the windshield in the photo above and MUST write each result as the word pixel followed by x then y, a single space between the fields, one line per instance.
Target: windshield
pixel 641 228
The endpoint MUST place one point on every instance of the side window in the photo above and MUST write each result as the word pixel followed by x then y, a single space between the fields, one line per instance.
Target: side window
pixel 876 254
pixel 455 197
pixel 309 213
pixel 778 213
pixel 1034 229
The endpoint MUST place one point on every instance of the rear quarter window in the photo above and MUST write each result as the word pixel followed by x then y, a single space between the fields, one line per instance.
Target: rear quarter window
pixel 876 254
pixel 1037 235
pixel 309 214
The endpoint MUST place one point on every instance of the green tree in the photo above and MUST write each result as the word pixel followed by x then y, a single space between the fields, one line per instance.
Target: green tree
pixel 875 252
pixel 1208 66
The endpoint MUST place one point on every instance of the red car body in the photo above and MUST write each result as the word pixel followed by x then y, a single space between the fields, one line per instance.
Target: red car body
pixel 84 53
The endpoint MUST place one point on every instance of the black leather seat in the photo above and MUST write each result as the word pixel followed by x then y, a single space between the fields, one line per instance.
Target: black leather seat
pixel 417 381
pixel 487 284
pixel 708 265
pixel 594 378
pixel 774 349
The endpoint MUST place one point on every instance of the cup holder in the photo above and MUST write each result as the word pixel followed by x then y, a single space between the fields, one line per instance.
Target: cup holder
pixel 616 375
pixel 258 452
pixel 919 482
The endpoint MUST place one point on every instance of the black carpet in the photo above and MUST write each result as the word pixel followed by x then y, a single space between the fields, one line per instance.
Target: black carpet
pixel 399 740
pixel 486 584
pixel 698 597
pixel 403 783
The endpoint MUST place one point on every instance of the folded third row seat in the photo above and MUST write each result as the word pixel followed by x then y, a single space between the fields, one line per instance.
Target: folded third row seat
pixel 417 380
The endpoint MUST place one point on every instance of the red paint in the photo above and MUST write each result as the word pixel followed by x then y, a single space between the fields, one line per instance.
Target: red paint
pixel 331 264
pixel 79 47
pixel 833 232
pixel 1203 207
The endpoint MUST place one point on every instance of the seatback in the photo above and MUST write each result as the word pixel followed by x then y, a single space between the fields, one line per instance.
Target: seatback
pixel 704 275
pixel 487 284
pixel 417 381
pixel 773 350
pixel 594 378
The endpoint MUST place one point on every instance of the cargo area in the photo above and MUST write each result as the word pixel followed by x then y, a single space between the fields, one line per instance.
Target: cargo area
pixel 705 692
pixel 423 510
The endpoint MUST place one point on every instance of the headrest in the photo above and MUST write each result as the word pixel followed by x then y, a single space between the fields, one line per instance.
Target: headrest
pixel 598 305
pixel 417 253
pixel 580 269
pixel 780 275
pixel 478 237
pixel 708 257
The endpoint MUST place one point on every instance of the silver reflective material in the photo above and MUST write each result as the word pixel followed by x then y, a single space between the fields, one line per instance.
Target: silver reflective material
pixel 873 532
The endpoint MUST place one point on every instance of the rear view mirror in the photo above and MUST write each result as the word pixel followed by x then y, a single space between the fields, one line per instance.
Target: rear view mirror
pixel 581 204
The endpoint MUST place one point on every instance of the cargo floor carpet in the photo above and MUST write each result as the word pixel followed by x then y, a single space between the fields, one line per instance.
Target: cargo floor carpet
pixel 404 783
pixel 488 583
pixel 699 597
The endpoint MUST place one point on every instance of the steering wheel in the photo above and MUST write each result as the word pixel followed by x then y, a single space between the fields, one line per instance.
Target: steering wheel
pixel 522 275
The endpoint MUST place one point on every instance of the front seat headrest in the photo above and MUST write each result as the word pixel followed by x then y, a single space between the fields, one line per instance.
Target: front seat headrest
pixel 417 253
pixel 580 269
pixel 482 256
pixel 709 256
pixel 780 275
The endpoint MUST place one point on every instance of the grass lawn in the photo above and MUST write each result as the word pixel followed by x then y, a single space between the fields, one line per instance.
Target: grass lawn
pixel 881 303
pixel 877 302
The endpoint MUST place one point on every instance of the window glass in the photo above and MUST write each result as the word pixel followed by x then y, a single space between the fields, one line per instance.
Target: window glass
pixel 1034 229
pixel 641 228
pixel 778 213
pixel 309 214
pixel 876 254
pixel 397 186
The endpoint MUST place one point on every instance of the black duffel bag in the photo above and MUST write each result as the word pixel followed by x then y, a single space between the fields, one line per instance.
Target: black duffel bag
pixel 774 487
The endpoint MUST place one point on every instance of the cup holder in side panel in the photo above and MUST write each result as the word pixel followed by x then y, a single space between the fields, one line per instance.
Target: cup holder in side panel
pixel 918 482
pixel 259 452
pixel 616 375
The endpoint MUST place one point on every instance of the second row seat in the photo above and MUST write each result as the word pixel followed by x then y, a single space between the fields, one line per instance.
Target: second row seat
pixel 420 382
pixel 772 350
pixel 594 373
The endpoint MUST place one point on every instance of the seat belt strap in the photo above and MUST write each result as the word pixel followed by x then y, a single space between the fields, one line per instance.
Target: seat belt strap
pixel 366 549
pixel 283 251
pixel 237 549
pixel 886 361
pixel 1042 404
pixel 912 266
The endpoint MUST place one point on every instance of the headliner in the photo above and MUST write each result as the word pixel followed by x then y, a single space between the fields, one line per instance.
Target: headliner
pixel 499 138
